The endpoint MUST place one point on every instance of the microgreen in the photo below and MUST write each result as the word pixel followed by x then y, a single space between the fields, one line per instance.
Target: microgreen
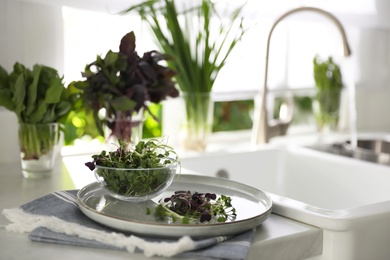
pixel 194 207
pixel 138 171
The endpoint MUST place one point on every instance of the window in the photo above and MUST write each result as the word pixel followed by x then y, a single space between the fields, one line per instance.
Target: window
pixel 91 33
pixel 366 21
pixel 293 46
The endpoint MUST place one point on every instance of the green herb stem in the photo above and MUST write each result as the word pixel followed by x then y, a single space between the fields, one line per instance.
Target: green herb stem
pixel 36 140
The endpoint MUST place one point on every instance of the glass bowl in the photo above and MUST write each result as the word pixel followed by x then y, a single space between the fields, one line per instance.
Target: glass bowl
pixel 136 185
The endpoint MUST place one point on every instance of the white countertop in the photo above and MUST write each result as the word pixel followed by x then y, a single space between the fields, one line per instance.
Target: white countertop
pixel 276 238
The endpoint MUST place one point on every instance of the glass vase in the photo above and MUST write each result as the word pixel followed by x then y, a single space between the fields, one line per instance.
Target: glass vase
pixel 326 109
pixel 124 127
pixel 38 146
pixel 197 121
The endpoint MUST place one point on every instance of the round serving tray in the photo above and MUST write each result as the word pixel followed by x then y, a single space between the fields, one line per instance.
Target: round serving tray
pixel 252 206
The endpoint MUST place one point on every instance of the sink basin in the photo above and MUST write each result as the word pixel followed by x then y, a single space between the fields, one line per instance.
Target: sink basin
pixel 371 150
pixel 348 198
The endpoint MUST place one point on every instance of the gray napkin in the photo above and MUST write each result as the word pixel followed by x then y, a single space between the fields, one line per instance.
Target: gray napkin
pixel 62 205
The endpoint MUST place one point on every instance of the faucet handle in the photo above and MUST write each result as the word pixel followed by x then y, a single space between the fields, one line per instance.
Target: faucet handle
pixel 280 125
pixel 263 128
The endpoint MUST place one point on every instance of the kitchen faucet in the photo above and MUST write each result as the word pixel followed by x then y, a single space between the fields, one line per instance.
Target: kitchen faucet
pixel 263 129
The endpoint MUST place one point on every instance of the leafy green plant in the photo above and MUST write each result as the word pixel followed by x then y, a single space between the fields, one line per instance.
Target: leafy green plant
pixel 123 83
pixel 37 97
pixel 328 80
pixel 139 171
pixel 199 39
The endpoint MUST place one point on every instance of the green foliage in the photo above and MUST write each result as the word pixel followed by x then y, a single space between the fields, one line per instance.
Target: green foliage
pixel 152 126
pixel 80 125
pixel 144 169
pixel 304 103
pixel 232 115
pixel 146 154
pixel 327 75
pixel 328 79
pixel 199 39
pixel 135 182
pixel 303 110
pixel 37 96
pixel 228 116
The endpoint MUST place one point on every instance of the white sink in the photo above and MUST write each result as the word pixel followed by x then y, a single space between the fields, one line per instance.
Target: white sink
pixel 347 198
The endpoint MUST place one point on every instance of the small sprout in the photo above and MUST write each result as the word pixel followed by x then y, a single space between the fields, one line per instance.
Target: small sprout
pixel 90 165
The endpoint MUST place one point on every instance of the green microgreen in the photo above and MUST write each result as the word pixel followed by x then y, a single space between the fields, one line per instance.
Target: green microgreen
pixel 138 171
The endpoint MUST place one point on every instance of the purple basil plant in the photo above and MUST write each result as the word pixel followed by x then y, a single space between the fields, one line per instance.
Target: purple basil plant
pixel 123 83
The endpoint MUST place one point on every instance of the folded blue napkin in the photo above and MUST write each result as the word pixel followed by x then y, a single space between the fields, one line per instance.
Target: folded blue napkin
pixel 56 218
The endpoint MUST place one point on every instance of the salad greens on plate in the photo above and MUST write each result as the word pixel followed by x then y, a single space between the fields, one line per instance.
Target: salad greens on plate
pixel 191 208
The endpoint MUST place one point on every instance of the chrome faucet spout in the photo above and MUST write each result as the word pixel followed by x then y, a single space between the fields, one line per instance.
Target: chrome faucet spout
pixel 263 129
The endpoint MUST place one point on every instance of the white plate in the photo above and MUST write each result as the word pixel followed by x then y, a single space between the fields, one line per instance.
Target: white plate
pixel 252 206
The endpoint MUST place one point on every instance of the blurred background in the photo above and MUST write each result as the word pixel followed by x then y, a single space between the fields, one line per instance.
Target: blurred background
pixel 68 34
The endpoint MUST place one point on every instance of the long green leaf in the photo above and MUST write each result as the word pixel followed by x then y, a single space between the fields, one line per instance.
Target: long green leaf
pixel 37 115
pixel 197 58
pixel 19 94
pixel 53 93
pixel 62 108
pixel 33 89
pixel 6 99
pixel 4 83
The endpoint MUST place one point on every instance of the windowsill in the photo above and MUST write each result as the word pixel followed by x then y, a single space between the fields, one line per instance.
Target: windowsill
pixel 240 141
pixel 218 142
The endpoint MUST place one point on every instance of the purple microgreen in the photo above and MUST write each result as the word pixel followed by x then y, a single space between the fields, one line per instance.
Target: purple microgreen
pixel 90 165
pixel 196 207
